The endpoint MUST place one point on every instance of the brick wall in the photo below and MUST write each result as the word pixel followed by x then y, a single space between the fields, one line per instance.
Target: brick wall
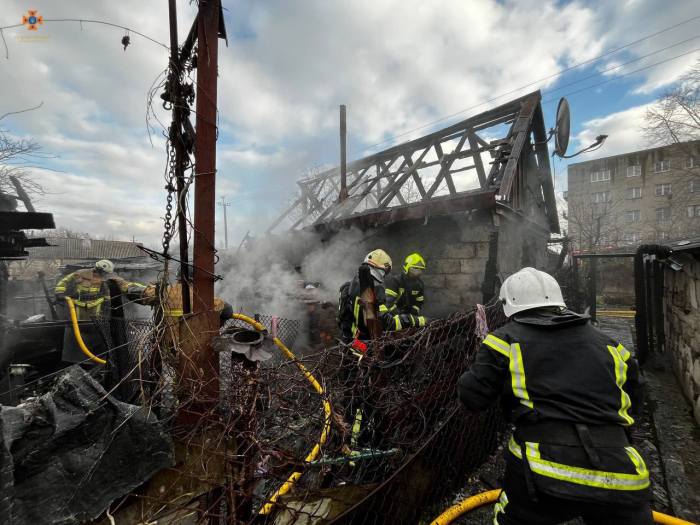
pixel 682 319
pixel 322 328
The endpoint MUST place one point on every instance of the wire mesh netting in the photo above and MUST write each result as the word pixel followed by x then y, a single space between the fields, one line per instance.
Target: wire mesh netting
pixel 335 436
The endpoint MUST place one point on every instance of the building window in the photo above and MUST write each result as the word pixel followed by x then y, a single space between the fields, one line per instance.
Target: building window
pixel 663 214
pixel 635 193
pixel 633 238
pixel 660 167
pixel 634 171
pixel 662 189
pixel 694 186
pixel 690 162
pixel 601 196
pixel 600 176
pixel 634 215
pixel 693 211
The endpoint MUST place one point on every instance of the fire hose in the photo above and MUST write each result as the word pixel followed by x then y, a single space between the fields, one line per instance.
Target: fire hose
pixel 289 484
pixel 78 337
pixel 491 496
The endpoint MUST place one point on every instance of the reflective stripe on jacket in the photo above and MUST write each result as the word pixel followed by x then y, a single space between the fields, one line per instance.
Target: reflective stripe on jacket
pixel 356 328
pixel 88 289
pixel 550 366
pixel 404 294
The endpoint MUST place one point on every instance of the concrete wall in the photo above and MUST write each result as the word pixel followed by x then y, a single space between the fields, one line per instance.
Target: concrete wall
pixel 580 188
pixel 456 249
pixel 682 320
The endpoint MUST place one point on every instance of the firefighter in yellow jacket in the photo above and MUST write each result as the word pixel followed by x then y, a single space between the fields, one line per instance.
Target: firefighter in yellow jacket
pixel 88 289
pixel 166 302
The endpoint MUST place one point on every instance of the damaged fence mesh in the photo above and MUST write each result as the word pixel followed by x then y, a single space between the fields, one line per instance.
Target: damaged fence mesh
pixel 337 436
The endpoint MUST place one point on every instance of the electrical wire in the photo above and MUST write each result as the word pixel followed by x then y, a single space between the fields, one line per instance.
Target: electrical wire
pixel 93 22
pixel 553 75
pixel 620 65
pixel 622 76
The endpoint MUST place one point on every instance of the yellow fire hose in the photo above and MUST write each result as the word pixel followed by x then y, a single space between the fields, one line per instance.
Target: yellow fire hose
pixel 491 496
pixel 78 337
pixel 289 484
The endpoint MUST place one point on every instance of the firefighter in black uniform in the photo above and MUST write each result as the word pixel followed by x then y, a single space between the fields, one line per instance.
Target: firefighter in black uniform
pixel 350 314
pixel 404 292
pixel 351 320
pixel 573 393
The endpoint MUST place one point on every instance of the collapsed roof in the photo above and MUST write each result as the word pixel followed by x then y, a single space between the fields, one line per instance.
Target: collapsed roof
pixel 419 178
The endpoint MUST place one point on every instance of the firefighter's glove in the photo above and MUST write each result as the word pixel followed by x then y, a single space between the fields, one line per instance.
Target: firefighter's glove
pixel 360 346
pixel 60 299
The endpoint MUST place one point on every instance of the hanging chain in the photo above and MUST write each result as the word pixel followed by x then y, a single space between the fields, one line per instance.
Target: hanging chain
pixel 167 222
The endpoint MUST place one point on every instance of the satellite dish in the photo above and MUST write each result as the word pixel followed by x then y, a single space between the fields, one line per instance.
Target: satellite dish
pixel 562 128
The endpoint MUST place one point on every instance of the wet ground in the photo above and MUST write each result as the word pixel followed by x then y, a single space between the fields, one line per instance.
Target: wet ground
pixel 666 436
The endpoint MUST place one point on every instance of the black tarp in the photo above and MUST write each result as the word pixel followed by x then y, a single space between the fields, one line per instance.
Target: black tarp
pixel 65 456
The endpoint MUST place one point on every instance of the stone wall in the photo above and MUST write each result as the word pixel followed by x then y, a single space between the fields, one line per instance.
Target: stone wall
pixel 682 326
pixel 462 251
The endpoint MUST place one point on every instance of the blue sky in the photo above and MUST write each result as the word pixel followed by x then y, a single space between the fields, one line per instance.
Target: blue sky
pixel 289 65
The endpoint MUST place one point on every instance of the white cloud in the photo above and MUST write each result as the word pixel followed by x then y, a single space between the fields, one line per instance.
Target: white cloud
pixel 396 64
pixel 624 130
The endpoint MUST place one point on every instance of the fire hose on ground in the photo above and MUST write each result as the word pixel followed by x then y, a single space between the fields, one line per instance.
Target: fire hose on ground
pixel 313 455
pixel 492 496
pixel 446 517
pixel 289 484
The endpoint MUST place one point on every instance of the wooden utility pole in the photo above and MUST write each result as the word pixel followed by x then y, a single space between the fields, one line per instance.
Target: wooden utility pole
pixel 225 204
pixel 199 365
pixel 343 152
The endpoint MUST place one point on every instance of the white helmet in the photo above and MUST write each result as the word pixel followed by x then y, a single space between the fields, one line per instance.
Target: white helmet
pixel 105 265
pixel 528 289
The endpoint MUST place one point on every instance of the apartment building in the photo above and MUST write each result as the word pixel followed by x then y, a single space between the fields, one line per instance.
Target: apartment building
pixel 643 196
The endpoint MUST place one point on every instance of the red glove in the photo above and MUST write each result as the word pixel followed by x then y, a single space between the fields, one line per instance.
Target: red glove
pixel 359 346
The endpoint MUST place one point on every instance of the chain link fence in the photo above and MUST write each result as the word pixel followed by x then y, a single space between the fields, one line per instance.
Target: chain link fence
pixel 337 436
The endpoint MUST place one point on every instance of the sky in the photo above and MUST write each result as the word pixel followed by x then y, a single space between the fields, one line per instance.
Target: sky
pixel 396 65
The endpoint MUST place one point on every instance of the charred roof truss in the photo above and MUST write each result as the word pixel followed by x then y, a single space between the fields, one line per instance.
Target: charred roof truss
pixel 418 178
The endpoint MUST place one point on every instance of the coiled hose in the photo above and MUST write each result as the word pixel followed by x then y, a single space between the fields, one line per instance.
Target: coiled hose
pixel 491 496
pixel 289 484
pixel 78 337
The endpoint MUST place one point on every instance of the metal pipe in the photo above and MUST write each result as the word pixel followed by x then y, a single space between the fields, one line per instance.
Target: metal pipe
pixel 640 318
pixel 659 305
pixel 343 159
pixel 577 289
pixel 593 270
pixel 175 136
pixel 650 304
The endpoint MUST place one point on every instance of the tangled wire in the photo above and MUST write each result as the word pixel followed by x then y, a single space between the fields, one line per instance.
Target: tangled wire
pixel 322 437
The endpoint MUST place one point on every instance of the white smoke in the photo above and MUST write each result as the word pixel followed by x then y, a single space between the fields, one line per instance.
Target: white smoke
pixel 268 275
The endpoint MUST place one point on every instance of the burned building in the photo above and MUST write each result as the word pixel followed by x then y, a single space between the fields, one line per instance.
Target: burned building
pixel 476 199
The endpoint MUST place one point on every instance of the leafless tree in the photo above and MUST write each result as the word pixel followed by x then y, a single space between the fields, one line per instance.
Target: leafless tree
pixel 675 117
pixel 674 120
pixel 593 224
pixel 17 156
pixel 327 192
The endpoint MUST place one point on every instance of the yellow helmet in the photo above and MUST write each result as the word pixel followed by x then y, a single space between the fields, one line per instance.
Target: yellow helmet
pixel 379 259
pixel 414 261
